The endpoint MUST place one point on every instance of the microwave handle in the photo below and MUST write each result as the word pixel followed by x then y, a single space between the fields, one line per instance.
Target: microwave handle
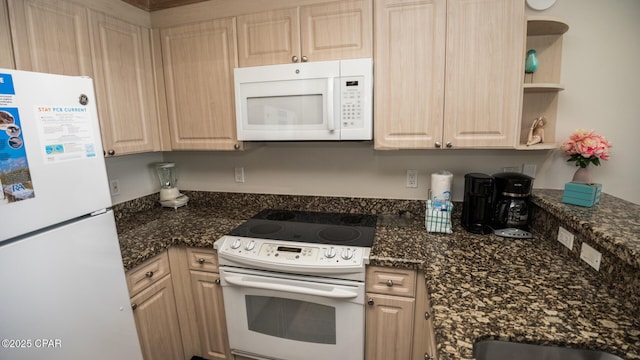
pixel 330 114
pixel 260 284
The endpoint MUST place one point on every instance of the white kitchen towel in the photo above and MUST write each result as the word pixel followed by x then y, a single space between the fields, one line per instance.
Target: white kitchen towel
pixel 438 218
pixel 441 182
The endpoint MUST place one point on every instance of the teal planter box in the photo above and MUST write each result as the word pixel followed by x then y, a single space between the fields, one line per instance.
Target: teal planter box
pixel 583 194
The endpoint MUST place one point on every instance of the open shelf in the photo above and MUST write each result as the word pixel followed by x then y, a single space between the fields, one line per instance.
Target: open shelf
pixel 545 25
pixel 543 146
pixel 541 89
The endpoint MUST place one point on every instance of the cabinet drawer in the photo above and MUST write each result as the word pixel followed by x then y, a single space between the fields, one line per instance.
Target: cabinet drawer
pixel 202 259
pixel 392 281
pixel 147 273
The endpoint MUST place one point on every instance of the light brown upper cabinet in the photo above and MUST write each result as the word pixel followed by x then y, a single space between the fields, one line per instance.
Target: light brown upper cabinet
pixel 60 37
pixel 50 36
pixel 124 85
pixel 198 68
pixel 6 55
pixel 409 73
pixel 448 73
pixel 326 31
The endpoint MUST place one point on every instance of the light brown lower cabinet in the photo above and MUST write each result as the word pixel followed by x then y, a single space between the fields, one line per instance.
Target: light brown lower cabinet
pixel 178 306
pixel 154 310
pixel 209 310
pixel 398 315
pixel 179 310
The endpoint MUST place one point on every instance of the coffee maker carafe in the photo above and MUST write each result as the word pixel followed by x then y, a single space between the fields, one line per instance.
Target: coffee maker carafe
pixel 477 209
pixel 512 210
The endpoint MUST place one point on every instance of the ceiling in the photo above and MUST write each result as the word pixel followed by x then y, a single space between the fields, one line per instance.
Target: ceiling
pixel 152 5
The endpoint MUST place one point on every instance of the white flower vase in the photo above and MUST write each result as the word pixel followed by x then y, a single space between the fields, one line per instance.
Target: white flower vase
pixel 583 174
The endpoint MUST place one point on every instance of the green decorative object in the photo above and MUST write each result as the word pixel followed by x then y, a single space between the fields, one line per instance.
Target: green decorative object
pixel 531 64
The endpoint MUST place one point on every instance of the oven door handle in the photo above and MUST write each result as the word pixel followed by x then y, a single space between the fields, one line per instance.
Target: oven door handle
pixel 333 293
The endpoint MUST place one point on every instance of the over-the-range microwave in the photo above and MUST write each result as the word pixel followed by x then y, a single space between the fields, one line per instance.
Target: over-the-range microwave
pixel 324 100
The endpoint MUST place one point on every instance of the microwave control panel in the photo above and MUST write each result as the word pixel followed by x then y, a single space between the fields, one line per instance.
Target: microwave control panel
pixel 352 100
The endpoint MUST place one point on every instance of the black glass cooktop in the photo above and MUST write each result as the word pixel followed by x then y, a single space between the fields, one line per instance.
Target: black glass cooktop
pixel 311 227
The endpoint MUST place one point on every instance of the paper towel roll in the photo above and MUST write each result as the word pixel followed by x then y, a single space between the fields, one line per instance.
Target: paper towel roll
pixel 441 182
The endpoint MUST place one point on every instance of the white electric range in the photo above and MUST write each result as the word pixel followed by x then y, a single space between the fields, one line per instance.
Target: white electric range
pixel 293 284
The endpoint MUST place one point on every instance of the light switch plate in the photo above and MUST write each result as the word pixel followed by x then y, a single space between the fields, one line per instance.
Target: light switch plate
pixel 239 174
pixel 591 256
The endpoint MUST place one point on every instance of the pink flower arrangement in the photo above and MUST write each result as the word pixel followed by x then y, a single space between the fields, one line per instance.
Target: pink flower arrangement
pixel 585 147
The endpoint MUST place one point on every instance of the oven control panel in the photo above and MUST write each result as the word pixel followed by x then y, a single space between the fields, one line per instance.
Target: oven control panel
pixel 264 251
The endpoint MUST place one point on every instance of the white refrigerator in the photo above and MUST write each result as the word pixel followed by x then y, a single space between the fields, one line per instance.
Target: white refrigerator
pixel 63 293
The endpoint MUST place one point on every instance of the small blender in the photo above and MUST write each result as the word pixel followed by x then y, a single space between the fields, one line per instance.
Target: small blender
pixel 170 196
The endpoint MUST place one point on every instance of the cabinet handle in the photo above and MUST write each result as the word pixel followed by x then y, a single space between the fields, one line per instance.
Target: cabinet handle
pixel 236 146
pixel 294 59
pixel 370 301
pixel 389 283
pixel 438 144
pixel 201 261
pixel 304 58
pixel 111 152
pixel 134 306
pixel 427 315
pixel 217 281
pixel 149 273
pixel 449 144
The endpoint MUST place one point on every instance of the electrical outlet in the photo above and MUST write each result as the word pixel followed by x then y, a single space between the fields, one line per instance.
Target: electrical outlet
pixel 529 169
pixel 239 174
pixel 412 178
pixel 114 187
pixel 591 256
pixel 565 237
pixel 514 169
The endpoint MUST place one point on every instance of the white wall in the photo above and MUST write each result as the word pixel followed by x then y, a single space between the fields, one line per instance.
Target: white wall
pixel 601 51
pixel 600 58
pixel 135 174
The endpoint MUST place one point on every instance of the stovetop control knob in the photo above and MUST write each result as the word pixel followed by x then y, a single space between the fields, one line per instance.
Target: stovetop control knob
pixel 250 245
pixel 330 253
pixel 236 244
pixel 346 254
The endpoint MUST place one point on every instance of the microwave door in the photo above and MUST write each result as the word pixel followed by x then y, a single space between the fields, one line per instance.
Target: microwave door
pixel 288 110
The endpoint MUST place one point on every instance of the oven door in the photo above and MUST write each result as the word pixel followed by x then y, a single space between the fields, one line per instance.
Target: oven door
pixel 281 316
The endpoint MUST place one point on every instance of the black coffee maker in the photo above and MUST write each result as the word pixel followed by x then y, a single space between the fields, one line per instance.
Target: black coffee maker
pixel 512 210
pixel 477 209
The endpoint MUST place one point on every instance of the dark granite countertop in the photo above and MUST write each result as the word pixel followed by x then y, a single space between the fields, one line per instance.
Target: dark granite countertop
pixel 479 286
pixel 614 224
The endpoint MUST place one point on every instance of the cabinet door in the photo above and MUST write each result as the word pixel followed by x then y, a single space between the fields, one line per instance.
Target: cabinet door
pixel 268 38
pixel 124 85
pixel 6 55
pixel 50 36
pixel 336 30
pixel 485 40
pixel 409 73
pixel 209 306
pixel 389 327
pixel 157 321
pixel 198 66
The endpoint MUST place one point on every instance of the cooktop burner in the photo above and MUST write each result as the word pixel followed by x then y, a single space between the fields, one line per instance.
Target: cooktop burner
pixel 311 227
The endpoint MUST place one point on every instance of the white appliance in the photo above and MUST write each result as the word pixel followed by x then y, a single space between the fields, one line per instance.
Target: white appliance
pixel 170 196
pixel 324 100
pixel 293 283
pixel 64 294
